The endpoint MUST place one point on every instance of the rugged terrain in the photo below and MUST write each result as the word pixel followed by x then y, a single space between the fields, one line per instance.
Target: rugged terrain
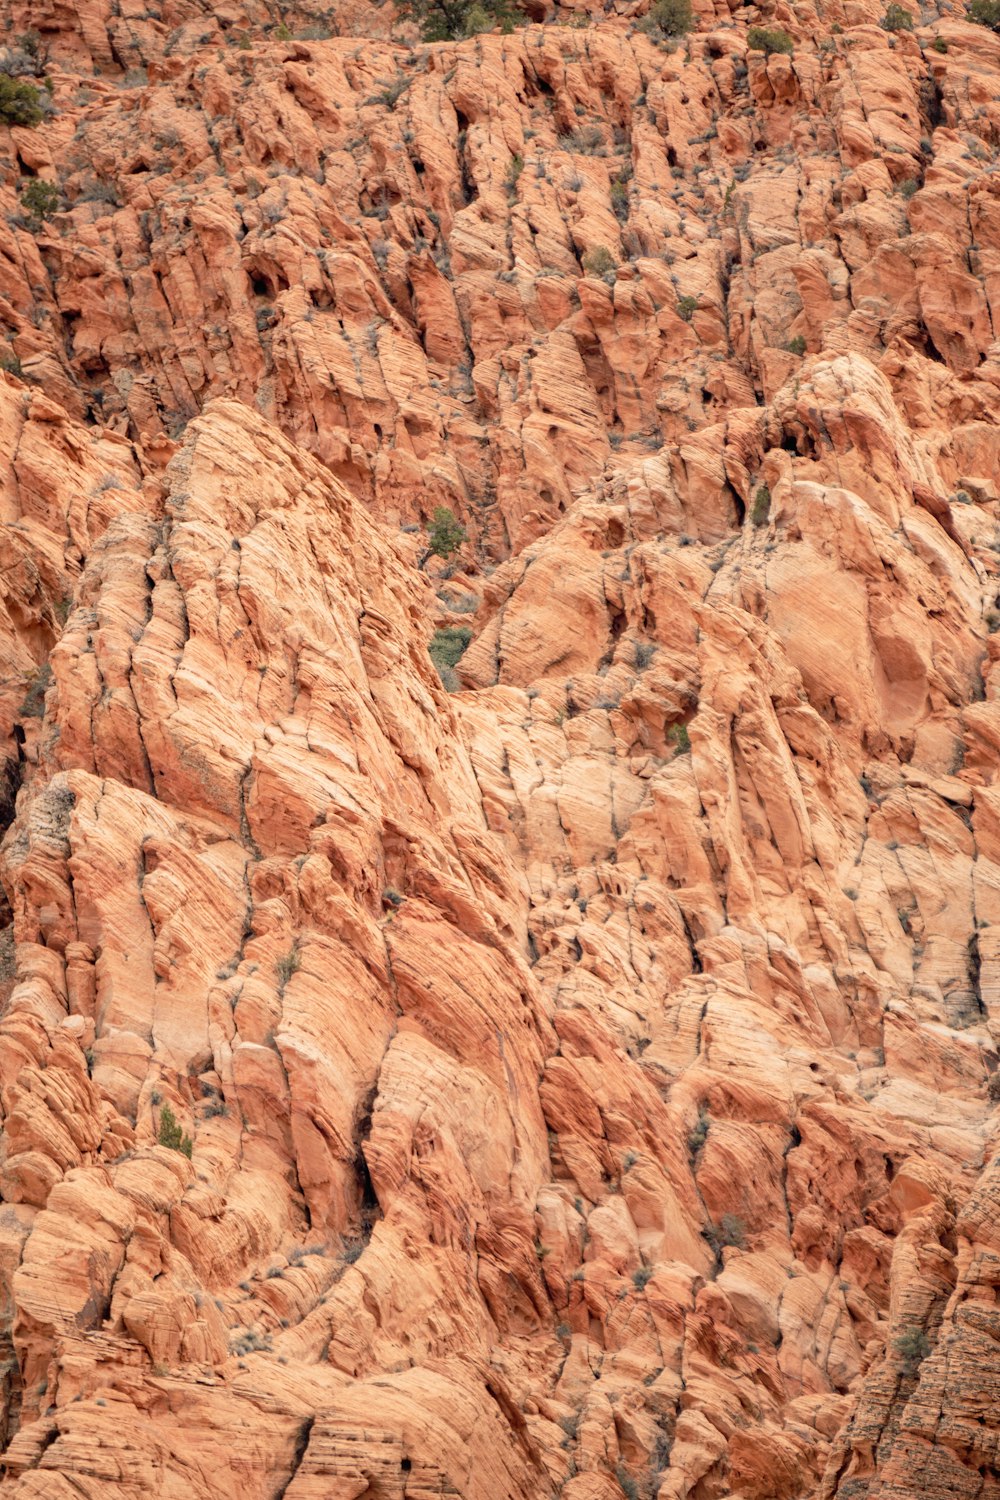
pixel 589 1075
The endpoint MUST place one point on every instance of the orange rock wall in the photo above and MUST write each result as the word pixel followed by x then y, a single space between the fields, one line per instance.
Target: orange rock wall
pixel 588 1076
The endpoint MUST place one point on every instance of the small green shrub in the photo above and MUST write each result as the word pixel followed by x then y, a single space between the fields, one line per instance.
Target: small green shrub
pixel 619 199
pixel 33 706
pixel 730 1230
pixel 940 45
pixel 444 534
pixel 673 17
pixel 20 102
pixel 447 20
pixel 669 18
pixel 907 187
pixel 516 168
pixel 687 307
pixel 896 18
pixel 599 261
pixel 626 1483
pixel 391 94
pixel 445 649
pixel 985 13
pixel 797 345
pixel 699 1132
pixel 171 1135
pixel 761 509
pixel 913 1347
pixel 250 1342
pixel 768 40
pixel 641 1277
pixel 288 964
pixel 587 141
pixel 677 735
pixel 39 199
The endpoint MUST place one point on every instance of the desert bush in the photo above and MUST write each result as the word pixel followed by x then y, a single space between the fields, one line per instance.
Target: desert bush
pixel 171 1135
pixel 698 1135
pixel 39 199
pixel 761 505
pixel 288 964
pixel 599 261
pixel 896 18
pixel 444 535
pixel 668 18
pixel 445 649
pixel 677 735
pixel 730 1230
pixel 447 20
pixel 913 1347
pixel 20 102
pixel 769 40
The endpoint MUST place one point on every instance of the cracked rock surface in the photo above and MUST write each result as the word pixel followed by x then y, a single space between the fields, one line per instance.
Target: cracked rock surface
pixel 582 1082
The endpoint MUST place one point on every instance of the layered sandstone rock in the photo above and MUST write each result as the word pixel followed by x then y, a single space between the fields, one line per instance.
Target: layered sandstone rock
pixel 584 1081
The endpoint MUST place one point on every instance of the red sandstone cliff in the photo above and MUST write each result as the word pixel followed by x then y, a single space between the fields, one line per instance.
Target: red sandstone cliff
pixel 589 1074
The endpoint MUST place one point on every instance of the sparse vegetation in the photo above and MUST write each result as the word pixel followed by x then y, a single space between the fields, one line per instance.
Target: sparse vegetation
pixel 391 93
pixel 39 199
pixel 171 1135
pixel 730 1230
pixel 250 1342
pixel 20 102
pixel 913 1347
pixel 641 1277
pixel 288 964
pixel 769 40
pixel 446 20
pixel 444 534
pixel 599 261
pixel 761 508
pixel 797 345
pixel 896 18
pixel 33 706
pixel 687 307
pixel 668 19
pixel 626 1483
pixel 677 735
pixel 445 649
pixel 699 1133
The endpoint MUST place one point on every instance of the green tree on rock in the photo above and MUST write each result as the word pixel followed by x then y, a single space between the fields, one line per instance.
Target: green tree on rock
pixel 446 20
pixel 171 1135
pixel 444 534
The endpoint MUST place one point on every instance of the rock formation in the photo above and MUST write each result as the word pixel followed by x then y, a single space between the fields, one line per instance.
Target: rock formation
pixel 583 1082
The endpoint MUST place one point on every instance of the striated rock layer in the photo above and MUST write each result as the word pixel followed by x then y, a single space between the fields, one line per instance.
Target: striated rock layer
pixel 583 1082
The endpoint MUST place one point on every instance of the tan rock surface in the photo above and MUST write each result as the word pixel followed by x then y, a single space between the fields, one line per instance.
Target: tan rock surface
pixel 584 1081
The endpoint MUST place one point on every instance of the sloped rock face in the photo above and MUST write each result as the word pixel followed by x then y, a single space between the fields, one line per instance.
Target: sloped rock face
pixel 582 1082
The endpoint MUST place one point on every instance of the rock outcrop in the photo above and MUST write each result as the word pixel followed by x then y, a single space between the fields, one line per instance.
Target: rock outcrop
pixel 583 1081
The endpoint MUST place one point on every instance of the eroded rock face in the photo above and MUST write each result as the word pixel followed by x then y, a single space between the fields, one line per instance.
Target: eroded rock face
pixel 584 1081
